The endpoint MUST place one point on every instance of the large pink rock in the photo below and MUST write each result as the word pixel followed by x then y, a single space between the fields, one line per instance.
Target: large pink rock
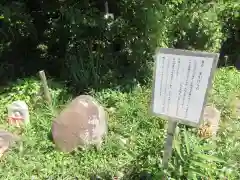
pixel 82 123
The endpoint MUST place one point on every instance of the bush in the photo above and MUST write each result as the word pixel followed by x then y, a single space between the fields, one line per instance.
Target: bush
pixel 73 41
pixel 229 15
pixel 16 32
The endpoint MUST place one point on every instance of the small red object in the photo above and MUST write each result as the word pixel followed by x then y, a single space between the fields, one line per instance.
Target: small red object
pixel 15 120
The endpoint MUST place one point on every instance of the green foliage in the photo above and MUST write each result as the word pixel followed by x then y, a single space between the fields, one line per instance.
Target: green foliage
pixel 98 53
pixel 228 14
pixel 225 88
pixel 133 147
pixel 30 91
pixel 194 158
pixel 23 90
pixel 194 25
pixel 15 24
pixel 74 42
pixel 228 148
pixel 126 141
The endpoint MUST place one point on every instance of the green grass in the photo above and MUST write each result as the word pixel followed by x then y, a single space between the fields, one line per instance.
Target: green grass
pixel 135 139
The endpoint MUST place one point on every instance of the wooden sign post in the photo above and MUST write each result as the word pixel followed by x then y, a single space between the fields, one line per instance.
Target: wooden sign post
pixel 45 87
pixel 181 81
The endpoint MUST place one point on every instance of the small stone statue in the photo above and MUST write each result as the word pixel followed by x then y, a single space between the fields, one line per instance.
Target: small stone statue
pixel 211 117
pixel 18 113
pixel 81 124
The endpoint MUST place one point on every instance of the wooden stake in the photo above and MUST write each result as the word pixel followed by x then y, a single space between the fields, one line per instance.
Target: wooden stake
pixel 106 8
pixel 169 142
pixel 45 87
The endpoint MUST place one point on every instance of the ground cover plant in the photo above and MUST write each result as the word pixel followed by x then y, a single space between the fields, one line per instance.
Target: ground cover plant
pixel 112 60
pixel 134 145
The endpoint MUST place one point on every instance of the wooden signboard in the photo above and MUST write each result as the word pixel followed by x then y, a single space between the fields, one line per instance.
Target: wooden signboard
pixel 181 81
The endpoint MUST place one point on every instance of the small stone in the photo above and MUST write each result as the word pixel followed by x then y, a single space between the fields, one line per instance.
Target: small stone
pixel 82 123
pixel 211 117
pixel 6 141
pixel 18 113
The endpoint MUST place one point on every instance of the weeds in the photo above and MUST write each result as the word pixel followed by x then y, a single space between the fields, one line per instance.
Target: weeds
pixel 134 143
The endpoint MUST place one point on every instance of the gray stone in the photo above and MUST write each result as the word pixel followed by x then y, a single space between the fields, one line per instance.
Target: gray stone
pixel 81 124
pixel 7 139
pixel 211 117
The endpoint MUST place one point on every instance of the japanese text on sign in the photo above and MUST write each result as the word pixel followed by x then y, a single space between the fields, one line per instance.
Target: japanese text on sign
pixel 181 83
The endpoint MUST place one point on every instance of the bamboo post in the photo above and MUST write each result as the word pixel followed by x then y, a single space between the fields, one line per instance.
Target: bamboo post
pixel 106 7
pixel 45 87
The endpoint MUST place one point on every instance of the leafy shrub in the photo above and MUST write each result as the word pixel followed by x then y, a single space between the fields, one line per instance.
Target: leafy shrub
pixel 30 91
pixel 73 41
pixel 194 158
pixel 15 24
pixel 229 16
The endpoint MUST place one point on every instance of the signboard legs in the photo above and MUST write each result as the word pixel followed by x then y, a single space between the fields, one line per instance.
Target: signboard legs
pixel 169 142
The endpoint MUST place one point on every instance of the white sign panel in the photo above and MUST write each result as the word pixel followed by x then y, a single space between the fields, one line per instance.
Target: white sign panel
pixel 181 81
